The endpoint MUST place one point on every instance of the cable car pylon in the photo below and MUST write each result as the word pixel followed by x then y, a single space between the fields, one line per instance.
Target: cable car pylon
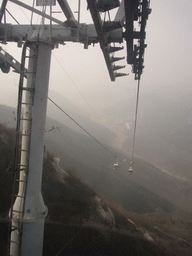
pixel 28 211
pixel 29 208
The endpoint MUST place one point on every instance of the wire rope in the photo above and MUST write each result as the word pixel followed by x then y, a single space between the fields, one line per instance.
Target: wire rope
pixel 135 125
pixel 72 238
pixel 79 91
pixel 24 13
pixel 82 127
pixel 12 16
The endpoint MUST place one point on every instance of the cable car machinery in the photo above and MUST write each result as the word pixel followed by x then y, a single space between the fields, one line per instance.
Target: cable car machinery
pixel 28 210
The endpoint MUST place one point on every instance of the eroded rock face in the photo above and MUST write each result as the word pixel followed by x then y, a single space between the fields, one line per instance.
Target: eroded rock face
pixel 61 174
pixel 105 212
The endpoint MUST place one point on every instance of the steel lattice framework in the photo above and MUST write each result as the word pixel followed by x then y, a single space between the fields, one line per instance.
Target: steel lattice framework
pixel 28 210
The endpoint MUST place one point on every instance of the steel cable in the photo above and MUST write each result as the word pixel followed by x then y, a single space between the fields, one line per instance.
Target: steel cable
pixel 82 127
pixel 135 125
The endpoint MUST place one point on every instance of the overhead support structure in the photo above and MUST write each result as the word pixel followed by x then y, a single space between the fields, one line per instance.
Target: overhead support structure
pixel 113 59
pixel 103 37
pixel 37 12
pixel 120 15
pixel 2 10
pixel 28 210
pixel 107 5
pixel 137 10
pixel 7 61
pixel 105 33
pixel 71 21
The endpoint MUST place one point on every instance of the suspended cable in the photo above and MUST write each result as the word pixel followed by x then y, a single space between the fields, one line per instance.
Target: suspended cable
pixel 82 127
pixel 72 238
pixel 79 91
pixel 12 16
pixel 135 125
pixel 24 13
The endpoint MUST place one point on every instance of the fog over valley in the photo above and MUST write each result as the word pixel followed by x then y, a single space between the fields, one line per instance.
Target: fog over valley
pixel 96 128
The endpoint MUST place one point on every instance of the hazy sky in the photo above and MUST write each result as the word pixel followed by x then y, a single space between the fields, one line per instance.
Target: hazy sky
pixel 167 61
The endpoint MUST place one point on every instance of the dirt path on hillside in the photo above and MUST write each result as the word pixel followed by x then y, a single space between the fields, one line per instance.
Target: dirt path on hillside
pixel 117 127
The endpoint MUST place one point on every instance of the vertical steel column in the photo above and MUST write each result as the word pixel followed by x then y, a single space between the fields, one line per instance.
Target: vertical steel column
pixel 34 209
pixel 129 16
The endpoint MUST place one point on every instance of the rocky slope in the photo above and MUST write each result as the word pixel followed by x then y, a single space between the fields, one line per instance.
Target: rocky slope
pixel 80 222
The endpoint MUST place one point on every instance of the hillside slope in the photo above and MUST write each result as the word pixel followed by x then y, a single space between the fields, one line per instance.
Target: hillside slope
pixel 94 165
pixel 81 223
pixel 164 133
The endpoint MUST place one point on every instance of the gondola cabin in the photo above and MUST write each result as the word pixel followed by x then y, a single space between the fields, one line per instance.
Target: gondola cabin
pixel 130 171
pixel 116 166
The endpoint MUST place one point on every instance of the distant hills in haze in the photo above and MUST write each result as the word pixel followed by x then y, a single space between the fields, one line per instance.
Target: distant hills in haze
pixel 157 199
pixel 94 164
pixel 163 160
pixel 164 130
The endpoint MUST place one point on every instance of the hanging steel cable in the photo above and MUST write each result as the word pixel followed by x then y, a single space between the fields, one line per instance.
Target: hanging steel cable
pixel 95 113
pixel 82 127
pixel 135 125
pixel 12 16
pixel 72 238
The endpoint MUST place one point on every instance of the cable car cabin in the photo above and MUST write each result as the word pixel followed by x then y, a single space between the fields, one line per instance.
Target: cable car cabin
pixel 116 166
pixel 130 171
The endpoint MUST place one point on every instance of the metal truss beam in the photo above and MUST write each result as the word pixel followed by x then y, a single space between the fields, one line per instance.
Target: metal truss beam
pixel 60 34
pixel 136 11
pixel 37 12
pixel 101 36
pixel 69 31
pixel 2 10
pixel 68 13
pixel 8 59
